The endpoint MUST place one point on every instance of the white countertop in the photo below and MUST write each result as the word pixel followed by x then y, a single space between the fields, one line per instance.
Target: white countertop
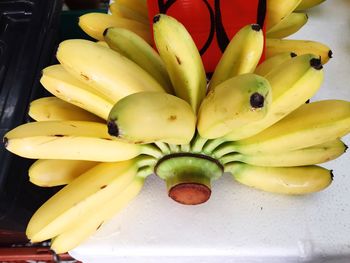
pixel 240 224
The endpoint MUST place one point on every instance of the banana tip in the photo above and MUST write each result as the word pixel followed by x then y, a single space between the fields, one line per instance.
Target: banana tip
pixel 113 128
pixel 156 18
pixel 330 53
pixel 292 54
pixel 105 32
pixel 5 141
pixel 316 63
pixel 256 27
pixel 257 100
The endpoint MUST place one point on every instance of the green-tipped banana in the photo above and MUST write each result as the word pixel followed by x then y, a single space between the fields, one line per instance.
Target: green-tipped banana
pixel 60 83
pixel 238 101
pixel 70 140
pixel 316 154
pixel 55 109
pixel 309 125
pixel 147 117
pixel 292 83
pixel 300 47
pixel 276 10
pixel 306 4
pixel 182 59
pixel 288 26
pixel 272 63
pixel 138 50
pixel 97 185
pixel 241 55
pixel 80 231
pixel 282 180
pixel 103 69
pixel 48 173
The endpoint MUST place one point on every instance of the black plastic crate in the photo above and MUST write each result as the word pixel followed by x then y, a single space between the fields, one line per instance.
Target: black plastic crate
pixel 29 34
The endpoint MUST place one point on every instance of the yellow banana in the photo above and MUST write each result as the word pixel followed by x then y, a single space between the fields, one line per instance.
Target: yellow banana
pixel 146 117
pixel 306 4
pixel 288 26
pixel 241 55
pixel 182 59
pixel 272 63
pixel 293 83
pixel 70 140
pixel 57 81
pixel 47 172
pixel 94 24
pixel 69 206
pixel 309 125
pixel 235 102
pixel 282 180
pixel 300 47
pixel 55 109
pixel 136 49
pixel 276 10
pixel 102 43
pixel 82 230
pixel 103 69
pixel 122 10
pixel 306 156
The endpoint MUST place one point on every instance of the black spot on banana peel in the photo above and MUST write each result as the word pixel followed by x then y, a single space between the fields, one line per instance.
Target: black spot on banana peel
pixel 256 27
pixel 257 100
pixel 113 128
pixel 156 18
pixel 316 63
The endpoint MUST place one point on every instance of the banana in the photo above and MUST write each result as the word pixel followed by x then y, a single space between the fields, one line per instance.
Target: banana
pixel 235 102
pixel 306 156
pixel 94 24
pixel 147 117
pixel 55 109
pixel 139 51
pixel 282 180
pixel 306 4
pixel 182 59
pixel 103 69
pixel 67 206
pixel 293 83
pixel 82 230
pixel 57 81
pixel 273 62
pixel 309 125
pixel 288 26
pixel 102 43
pixel 276 10
pixel 138 6
pixel 118 8
pixel 48 173
pixel 240 56
pixel 300 47
pixel 69 140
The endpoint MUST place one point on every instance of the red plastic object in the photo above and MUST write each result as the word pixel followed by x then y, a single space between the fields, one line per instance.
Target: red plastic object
pixel 211 23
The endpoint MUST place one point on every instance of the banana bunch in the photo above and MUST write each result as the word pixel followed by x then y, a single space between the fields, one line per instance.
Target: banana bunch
pixel 124 111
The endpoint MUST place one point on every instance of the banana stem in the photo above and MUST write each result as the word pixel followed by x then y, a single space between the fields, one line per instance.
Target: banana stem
pixel 163 147
pixel 174 148
pixel 213 144
pixel 151 150
pixel 145 171
pixel 145 160
pixel 231 157
pixel 185 147
pixel 225 149
pixel 198 143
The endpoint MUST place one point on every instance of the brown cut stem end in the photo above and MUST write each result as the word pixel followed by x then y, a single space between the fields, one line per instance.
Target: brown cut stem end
pixel 190 193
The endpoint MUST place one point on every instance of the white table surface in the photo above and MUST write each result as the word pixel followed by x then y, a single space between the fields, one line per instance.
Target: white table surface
pixel 240 224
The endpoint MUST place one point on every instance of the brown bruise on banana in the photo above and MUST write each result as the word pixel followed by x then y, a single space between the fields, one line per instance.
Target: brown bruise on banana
pixel 172 118
pixel 84 76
